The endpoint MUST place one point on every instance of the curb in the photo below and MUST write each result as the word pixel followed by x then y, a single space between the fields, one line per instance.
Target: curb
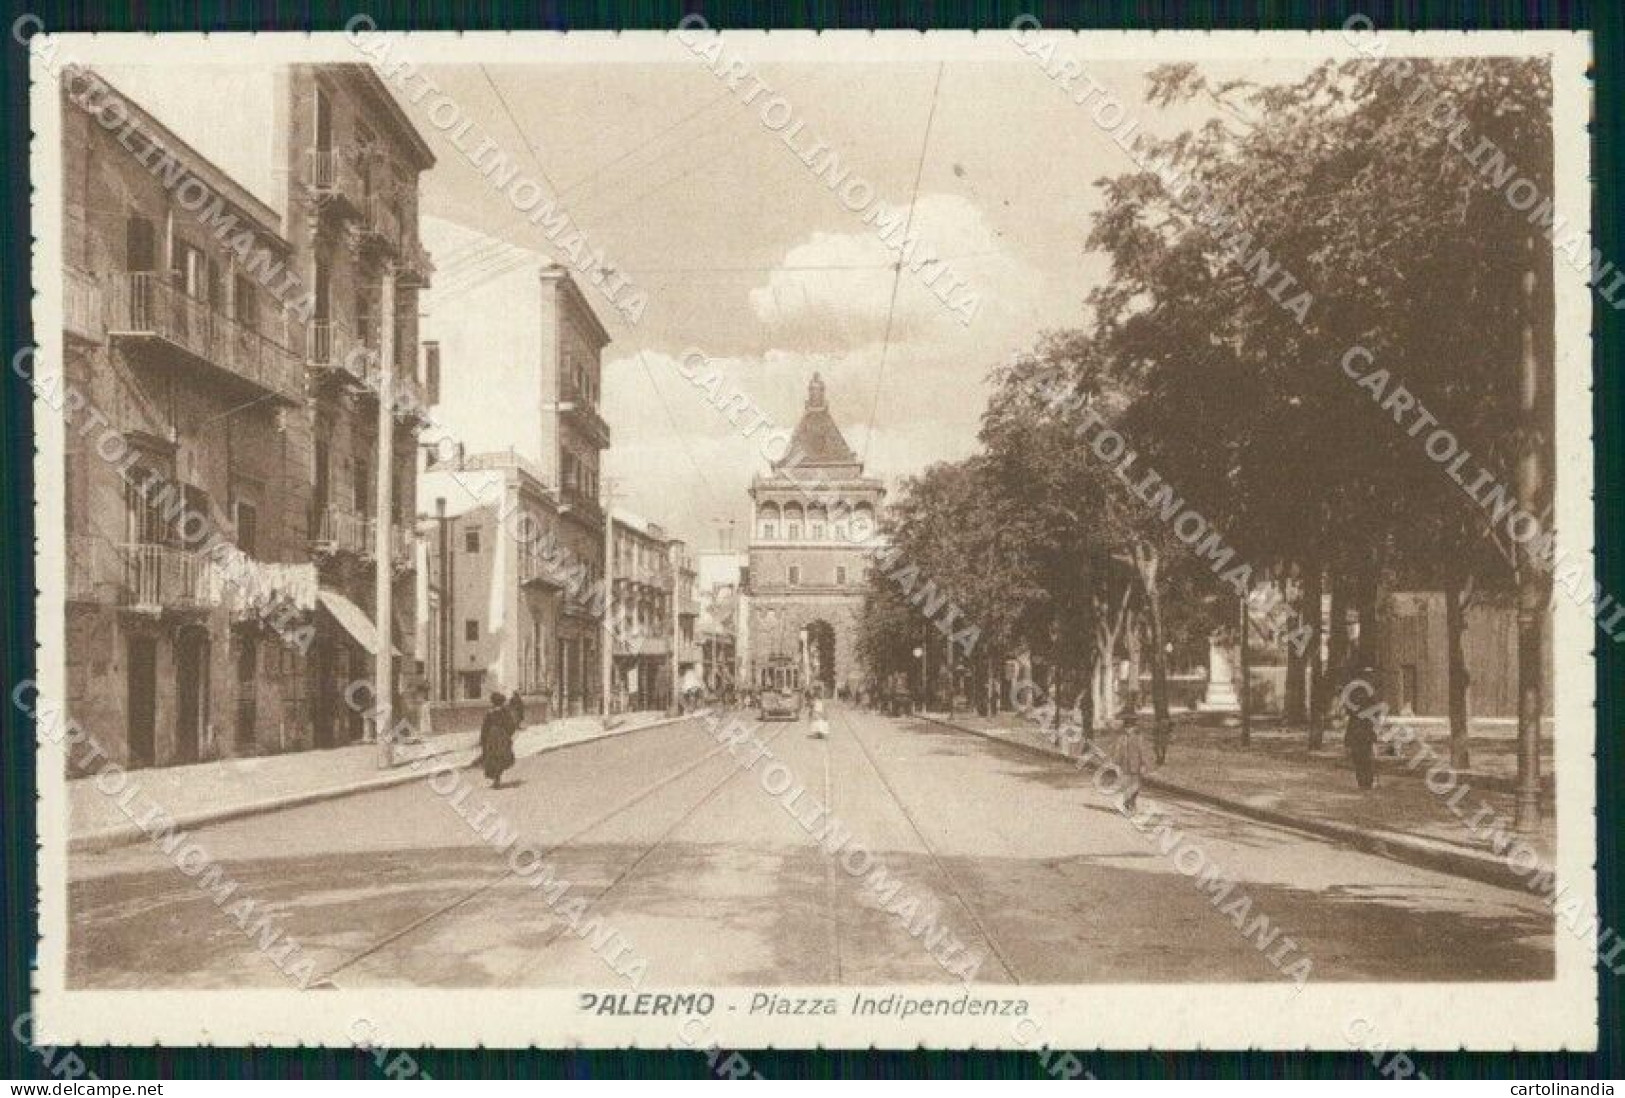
pixel 109 838
pixel 1459 862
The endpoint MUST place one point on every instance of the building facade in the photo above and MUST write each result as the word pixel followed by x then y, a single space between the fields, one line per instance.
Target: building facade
pixel 353 161
pixel 813 514
pixel 641 607
pixel 495 594
pixel 222 569
pixel 189 585
pixel 573 439
pixel 1413 659
pixel 686 599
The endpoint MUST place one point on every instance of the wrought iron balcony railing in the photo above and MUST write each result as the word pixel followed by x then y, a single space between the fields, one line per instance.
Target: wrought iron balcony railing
pixel 144 305
pixel 82 313
pixel 162 577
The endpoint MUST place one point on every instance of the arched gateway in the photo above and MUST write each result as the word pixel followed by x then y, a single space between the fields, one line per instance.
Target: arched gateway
pixel 813 518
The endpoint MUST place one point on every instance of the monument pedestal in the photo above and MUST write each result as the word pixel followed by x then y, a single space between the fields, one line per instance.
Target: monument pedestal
pixel 1220 695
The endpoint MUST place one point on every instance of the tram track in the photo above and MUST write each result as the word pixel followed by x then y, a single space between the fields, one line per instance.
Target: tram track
pixel 648 851
pixel 497 879
pixel 930 849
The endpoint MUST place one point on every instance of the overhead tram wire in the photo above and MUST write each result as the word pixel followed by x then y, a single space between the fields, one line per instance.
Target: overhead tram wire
pixel 537 159
pixel 606 164
pixel 710 489
pixel 897 278
pixel 645 166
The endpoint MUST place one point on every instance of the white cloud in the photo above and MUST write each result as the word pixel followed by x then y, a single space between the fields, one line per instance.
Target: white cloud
pixel 835 288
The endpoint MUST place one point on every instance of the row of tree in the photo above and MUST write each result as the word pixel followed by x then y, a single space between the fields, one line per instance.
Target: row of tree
pixel 1255 409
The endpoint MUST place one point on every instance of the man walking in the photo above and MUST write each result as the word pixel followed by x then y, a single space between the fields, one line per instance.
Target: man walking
pixel 1129 758
pixel 1161 731
pixel 1360 735
pixel 496 739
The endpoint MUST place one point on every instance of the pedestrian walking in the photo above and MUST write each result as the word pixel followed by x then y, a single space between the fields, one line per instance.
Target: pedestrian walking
pixel 1161 731
pixel 496 739
pixel 1360 737
pixel 516 710
pixel 820 720
pixel 1129 757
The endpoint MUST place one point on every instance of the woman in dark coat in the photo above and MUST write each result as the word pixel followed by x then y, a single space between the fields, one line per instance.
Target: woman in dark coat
pixel 496 740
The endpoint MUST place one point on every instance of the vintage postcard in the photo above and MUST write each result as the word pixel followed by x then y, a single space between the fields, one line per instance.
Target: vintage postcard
pixel 717 540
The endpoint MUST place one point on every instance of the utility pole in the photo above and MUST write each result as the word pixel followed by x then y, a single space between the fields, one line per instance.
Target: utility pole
pixel 674 552
pixel 1244 627
pixel 1534 585
pixel 606 661
pixel 383 561
pixel 446 610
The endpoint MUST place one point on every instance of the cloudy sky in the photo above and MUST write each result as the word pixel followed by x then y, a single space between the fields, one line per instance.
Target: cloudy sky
pixel 746 255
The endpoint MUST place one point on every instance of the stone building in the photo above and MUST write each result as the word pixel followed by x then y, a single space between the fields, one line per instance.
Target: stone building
pixel 814 513
pixel 189 584
pixel 641 604
pixel 573 438
pixel 352 163
pixel 536 346
pixel 495 612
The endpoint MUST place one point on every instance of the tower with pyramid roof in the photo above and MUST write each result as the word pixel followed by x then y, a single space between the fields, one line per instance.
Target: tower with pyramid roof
pixel 814 516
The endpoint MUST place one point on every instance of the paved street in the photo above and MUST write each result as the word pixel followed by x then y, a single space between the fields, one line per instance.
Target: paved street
pixel 713 882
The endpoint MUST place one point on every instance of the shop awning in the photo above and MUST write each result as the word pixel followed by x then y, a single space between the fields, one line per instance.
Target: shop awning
pixel 353 619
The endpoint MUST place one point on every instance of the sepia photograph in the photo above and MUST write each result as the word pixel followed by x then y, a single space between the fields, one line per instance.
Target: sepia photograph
pixel 713 540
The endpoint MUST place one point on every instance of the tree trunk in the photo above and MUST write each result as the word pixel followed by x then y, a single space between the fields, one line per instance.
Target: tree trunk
pixel 1161 717
pixel 1245 686
pixel 1457 596
pixel 1313 594
pixel 1294 709
pixel 1337 646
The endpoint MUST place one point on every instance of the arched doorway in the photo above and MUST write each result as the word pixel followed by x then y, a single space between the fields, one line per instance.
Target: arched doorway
pixel 820 656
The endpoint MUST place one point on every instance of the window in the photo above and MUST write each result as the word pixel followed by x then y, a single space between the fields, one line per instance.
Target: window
pixel 473 684
pixel 322 307
pixel 793 531
pixel 840 531
pixel 840 575
pixel 471 540
pixel 192 271
pixel 246 305
pixel 431 372
pixel 795 575
pixel 323 122
pixel 247 527
pixel 140 245
pixel 818 531
pixel 361 484
pixel 471 629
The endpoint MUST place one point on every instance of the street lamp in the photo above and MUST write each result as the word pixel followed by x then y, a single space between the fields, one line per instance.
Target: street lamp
pixel 919 654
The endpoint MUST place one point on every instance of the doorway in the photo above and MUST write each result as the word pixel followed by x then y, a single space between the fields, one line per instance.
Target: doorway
pixel 821 656
pixel 191 693
pixel 142 700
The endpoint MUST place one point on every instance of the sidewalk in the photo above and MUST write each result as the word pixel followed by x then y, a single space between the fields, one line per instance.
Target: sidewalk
pixel 1280 781
pixel 231 788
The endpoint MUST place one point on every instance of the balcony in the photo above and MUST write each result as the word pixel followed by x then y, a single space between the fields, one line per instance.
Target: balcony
pixel 585 416
pixel 146 309
pixel 161 577
pixel 342 530
pixel 416 268
pixel 332 351
pixel 379 226
pixel 334 180
pixel 536 570
pixel 82 314
pixel 402 546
